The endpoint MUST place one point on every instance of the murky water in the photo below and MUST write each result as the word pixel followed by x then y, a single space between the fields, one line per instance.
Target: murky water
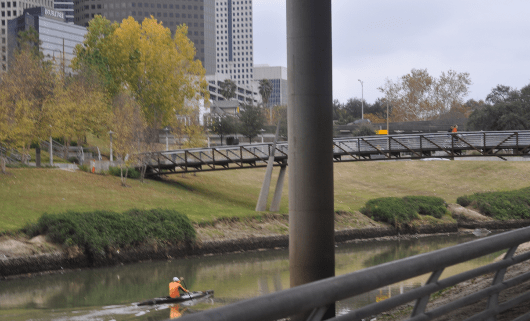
pixel 109 293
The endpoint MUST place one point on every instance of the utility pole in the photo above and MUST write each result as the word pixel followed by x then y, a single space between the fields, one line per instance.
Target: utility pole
pixel 362 99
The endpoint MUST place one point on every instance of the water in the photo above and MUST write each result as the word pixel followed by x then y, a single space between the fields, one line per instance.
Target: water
pixel 108 293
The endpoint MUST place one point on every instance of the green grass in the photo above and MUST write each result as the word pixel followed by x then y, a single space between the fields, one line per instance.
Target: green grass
pixel 27 193
pixel 500 205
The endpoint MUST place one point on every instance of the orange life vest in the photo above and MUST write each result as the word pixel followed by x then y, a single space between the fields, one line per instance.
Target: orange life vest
pixel 174 289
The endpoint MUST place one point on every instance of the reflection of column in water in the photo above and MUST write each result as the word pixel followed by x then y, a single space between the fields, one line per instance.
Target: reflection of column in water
pixel 277 280
pixel 263 286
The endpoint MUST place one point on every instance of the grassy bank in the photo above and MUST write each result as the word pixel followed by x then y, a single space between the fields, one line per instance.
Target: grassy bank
pixel 27 193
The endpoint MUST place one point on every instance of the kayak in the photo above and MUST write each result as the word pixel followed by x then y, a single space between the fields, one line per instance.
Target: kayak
pixel 183 297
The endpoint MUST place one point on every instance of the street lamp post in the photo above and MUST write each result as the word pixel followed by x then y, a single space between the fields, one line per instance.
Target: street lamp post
pixel 110 133
pixel 387 130
pixel 262 131
pixel 362 98
pixel 167 138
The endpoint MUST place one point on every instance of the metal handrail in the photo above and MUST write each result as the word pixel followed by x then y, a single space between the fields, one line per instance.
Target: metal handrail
pixel 320 294
pixel 412 146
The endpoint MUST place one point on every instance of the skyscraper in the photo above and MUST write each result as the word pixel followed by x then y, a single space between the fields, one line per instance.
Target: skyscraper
pixel 66 6
pixel 234 42
pixel 198 15
pixel 10 10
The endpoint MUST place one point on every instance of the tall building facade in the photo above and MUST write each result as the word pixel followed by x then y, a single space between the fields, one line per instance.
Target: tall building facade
pixel 67 7
pixel 10 10
pixel 234 41
pixel 198 15
pixel 57 37
pixel 278 78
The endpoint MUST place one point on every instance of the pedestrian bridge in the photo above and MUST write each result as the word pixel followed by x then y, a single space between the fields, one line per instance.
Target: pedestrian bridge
pixel 500 144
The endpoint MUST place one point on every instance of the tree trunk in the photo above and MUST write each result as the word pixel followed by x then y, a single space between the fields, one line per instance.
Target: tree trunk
pixel 37 156
pixel 3 164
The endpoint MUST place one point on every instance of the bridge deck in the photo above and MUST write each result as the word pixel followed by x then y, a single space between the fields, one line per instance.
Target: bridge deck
pixel 414 146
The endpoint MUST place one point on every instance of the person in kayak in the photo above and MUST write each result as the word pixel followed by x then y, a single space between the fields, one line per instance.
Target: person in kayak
pixel 174 288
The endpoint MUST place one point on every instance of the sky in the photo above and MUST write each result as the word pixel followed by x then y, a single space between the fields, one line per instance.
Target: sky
pixel 375 40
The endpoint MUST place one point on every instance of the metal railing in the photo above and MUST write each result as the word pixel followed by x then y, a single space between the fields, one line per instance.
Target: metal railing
pixel 12 155
pixel 415 146
pixel 316 297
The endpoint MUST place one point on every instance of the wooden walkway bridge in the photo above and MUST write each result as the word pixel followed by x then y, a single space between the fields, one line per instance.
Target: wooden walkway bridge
pixel 500 144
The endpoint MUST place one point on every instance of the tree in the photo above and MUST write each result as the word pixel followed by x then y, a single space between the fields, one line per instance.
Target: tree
pixel 510 110
pixel 228 89
pixel 80 106
pixel 90 54
pixel 265 90
pixel 128 125
pixel 251 121
pixel 25 100
pixel 159 70
pixel 419 96
pixel 223 125
pixel 501 94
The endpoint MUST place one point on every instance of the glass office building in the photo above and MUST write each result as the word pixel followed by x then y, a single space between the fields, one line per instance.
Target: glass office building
pixel 10 10
pixel 58 38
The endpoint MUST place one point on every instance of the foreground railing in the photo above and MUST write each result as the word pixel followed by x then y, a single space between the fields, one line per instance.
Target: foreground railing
pixel 316 297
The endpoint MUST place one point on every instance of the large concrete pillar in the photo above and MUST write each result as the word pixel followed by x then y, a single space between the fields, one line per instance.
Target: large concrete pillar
pixel 310 128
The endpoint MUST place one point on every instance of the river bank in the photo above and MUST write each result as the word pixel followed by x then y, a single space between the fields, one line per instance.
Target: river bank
pixel 21 257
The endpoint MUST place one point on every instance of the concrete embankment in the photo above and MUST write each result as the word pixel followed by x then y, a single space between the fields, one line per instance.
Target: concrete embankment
pixel 66 260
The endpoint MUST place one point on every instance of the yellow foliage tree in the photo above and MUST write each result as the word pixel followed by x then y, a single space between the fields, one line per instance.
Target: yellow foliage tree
pixel 374 118
pixel 26 89
pixel 129 127
pixel 160 71
pixel 80 106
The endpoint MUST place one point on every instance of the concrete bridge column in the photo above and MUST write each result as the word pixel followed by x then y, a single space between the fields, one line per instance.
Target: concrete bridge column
pixel 311 216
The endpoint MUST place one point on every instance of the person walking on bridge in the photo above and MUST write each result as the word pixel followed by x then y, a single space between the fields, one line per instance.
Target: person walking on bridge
pixel 174 288
pixel 454 128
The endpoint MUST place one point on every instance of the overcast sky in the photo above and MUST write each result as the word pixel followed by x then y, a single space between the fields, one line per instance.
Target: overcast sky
pixel 375 39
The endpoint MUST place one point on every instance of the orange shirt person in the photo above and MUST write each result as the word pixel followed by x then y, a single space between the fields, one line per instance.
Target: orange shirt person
pixel 174 288
pixel 455 128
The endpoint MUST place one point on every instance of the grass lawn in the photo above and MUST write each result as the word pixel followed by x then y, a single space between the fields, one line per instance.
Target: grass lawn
pixel 27 193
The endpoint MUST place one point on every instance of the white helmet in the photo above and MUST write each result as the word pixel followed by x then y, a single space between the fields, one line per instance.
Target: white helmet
pixel 175 279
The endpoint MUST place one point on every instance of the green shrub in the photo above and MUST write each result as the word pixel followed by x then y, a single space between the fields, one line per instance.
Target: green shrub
pixel 131 173
pixel 500 205
pixel 84 168
pixel 98 232
pixel 427 205
pixel 398 211
pixel 392 210
pixel 464 200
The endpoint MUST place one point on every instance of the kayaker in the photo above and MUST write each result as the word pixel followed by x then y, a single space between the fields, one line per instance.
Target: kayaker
pixel 174 288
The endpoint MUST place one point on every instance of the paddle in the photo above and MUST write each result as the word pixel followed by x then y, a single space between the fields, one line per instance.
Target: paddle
pixel 182 279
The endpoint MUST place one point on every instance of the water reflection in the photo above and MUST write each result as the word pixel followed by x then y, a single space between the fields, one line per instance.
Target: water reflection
pixel 107 293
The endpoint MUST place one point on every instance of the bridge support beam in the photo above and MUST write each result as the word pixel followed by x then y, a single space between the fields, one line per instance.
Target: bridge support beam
pixel 275 205
pixel 310 134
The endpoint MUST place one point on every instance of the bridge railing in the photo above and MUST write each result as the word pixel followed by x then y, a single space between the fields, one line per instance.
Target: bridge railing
pixel 316 297
pixel 508 143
